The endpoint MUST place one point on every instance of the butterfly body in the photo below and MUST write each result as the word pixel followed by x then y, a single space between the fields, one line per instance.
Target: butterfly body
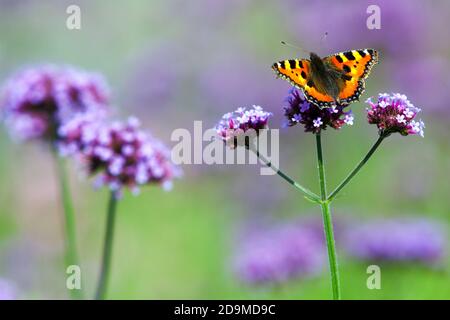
pixel 335 79
pixel 325 77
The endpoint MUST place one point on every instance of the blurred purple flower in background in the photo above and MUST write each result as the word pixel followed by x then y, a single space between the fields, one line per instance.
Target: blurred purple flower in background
pixel 313 118
pixel 120 153
pixel 234 125
pixel 36 101
pixel 279 253
pixel 7 290
pixel 398 239
pixel 276 253
pixel 394 113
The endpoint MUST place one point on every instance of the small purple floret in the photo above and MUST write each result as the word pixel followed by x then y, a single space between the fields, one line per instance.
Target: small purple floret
pixel 394 113
pixel 313 118
pixel 234 125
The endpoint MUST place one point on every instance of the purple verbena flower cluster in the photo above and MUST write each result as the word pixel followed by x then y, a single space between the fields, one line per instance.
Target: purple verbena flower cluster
pixel 36 101
pixel 313 118
pixel 119 153
pixel 396 240
pixel 394 113
pixel 286 251
pixel 235 126
pixel 278 254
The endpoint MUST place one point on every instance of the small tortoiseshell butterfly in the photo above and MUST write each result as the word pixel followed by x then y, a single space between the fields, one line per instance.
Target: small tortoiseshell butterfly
pixel 335 79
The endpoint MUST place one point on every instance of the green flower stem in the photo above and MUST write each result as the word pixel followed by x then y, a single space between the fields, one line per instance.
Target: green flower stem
pixel 107 248
pixel 328 223
pixel 71 256
pixel 356 169
pixel 308 193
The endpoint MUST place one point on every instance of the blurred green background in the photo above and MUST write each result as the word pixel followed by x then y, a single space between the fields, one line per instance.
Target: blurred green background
pixel 173 62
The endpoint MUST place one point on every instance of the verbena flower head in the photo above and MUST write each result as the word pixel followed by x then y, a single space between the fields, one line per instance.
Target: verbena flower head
pixel 235 126
pixel 396 240
pixel 279 254
pixel 394 113
pixel 119 154
pixel 36 101
pixel 313 118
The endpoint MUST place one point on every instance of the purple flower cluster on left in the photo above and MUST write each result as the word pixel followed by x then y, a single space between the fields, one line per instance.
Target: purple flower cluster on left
pixel 122 153
pixel 37 100
pixel 69 108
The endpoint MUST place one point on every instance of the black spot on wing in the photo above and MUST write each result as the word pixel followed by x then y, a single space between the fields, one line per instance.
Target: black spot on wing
pixel 300 64
pixel 303 75
pixel 347 77
pixel 339 59
pixel 346 69
pixel 278 65
pixel 291 64
pixel 349 55
pixel 362 53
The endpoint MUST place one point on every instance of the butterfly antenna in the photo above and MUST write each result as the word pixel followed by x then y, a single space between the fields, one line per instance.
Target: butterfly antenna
pixel 324 37
pixel 294 47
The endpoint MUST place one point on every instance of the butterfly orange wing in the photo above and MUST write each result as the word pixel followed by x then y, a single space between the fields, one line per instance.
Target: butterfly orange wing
pixel 297 72
pixel 356 65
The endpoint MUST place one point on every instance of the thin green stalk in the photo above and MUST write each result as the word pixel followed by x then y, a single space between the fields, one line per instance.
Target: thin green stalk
pixel 308 193
pixel 107 248
pixel 320 166
pixel 356 169
pixel 71 256
pixel 328 223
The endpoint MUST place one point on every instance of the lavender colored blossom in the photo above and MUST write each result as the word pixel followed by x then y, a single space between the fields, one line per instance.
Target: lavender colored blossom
pixel 394 113
pixel 278 254
pixel 313 118
pixel 396 240
pixel 36 101
pixel 7 290
pixel 235 125
pixel 119 154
